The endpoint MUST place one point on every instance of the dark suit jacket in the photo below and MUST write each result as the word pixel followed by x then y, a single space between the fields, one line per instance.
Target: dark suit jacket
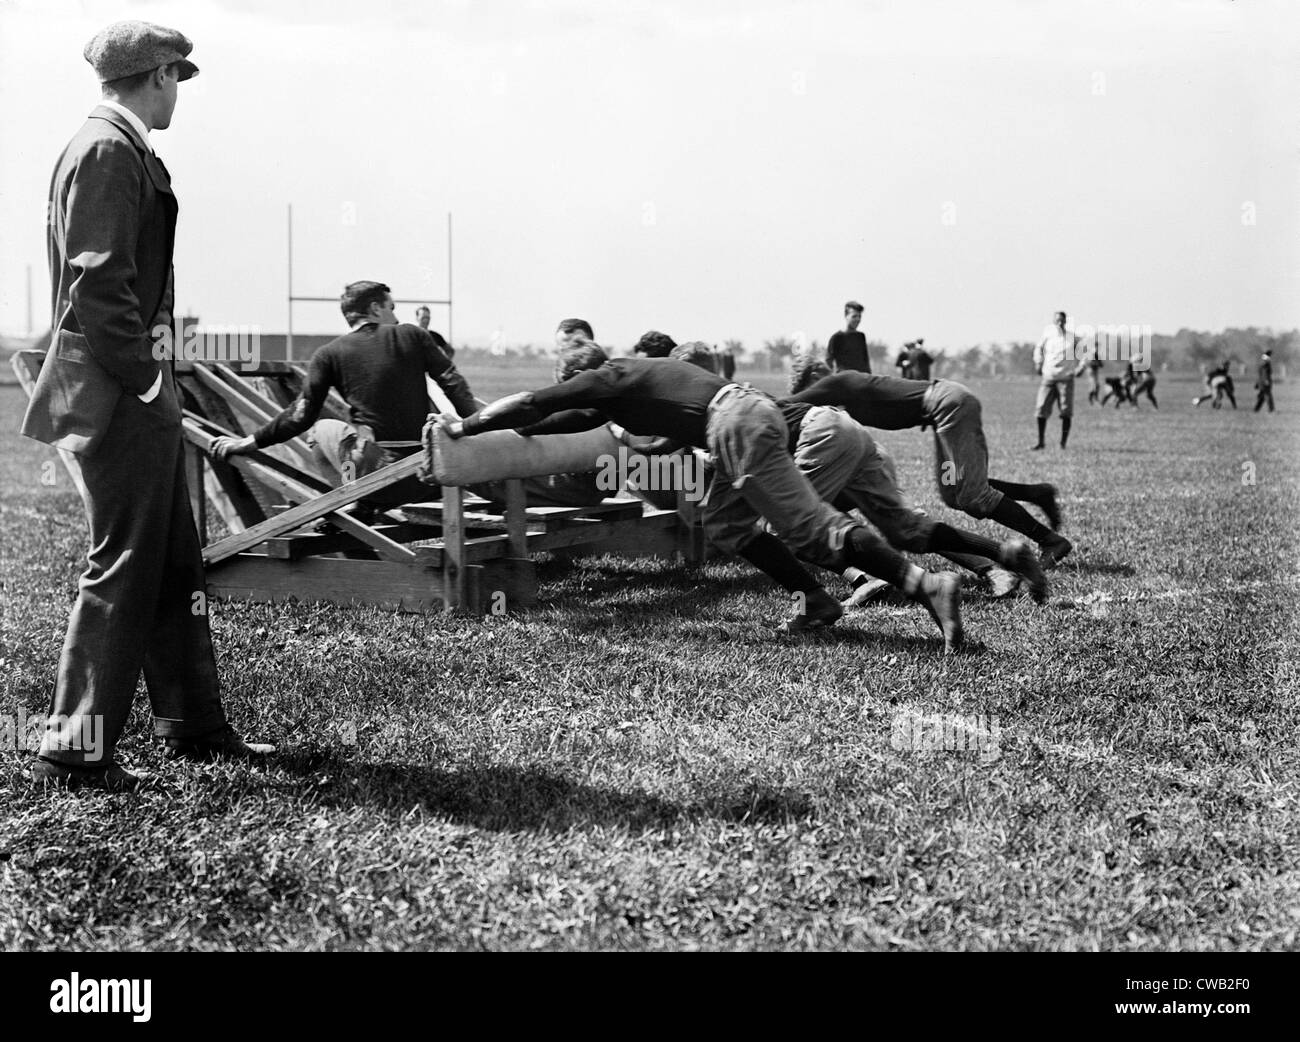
pixel 112 227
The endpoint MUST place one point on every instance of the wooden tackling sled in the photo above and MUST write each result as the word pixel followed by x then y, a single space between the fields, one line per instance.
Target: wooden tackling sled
pixel 293 530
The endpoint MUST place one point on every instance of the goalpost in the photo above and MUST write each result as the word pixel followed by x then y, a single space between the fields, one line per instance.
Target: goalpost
pixel 293 298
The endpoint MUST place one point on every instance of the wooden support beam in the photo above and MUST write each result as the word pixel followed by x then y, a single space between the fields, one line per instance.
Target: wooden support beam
pixel 327 503
pixel 294 491
pixel 380 584
pixel 299 488
pixel 305 543
pixel 194 482
pixel 258 411
pixel 453 547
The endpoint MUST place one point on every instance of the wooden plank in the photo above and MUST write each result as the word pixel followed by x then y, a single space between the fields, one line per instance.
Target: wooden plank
pixel 246 402
pixel 690 536
pixel 453 547
pixel 327 503
pixel 381 584
pixel 596 532
pixel 253 502
pixel 297 545
pixel 297 492
pixel 194 483
pixel 515 518
pixel 476 549
pixel 535 519
pixel 300 488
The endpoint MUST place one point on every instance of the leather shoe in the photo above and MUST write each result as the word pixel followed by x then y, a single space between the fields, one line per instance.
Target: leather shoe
pixel 109 777
pixel 820 611
pixel 221 744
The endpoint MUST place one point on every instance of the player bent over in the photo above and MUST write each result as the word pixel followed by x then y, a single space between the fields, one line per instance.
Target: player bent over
pixel 848 469
pixel 754 476
pixel 851 471
pixel 961 454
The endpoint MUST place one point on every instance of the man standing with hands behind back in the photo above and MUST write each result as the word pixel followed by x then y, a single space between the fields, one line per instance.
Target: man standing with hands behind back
pixel 105 394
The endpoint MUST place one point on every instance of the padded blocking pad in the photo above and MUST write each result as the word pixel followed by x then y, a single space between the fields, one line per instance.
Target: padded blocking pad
pixel 496 455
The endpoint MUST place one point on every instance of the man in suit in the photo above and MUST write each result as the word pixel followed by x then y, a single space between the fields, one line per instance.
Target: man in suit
pixel 106 392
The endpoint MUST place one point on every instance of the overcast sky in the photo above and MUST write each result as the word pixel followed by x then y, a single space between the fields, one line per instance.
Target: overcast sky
pixel 714 170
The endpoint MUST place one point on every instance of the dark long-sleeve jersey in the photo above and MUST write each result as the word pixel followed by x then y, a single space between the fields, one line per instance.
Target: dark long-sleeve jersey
pixel 884 402
pixel 656 396
pixel 379 371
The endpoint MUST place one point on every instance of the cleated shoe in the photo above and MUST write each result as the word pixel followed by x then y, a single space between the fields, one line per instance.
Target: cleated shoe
pixel 821 611
pixel 865 592
pixel 1052 553
pixel 1002 583
pixel 940 592
pixel 1019 556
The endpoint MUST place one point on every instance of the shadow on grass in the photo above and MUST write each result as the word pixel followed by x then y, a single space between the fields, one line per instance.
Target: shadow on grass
pixel 1094 565
pixel 528 798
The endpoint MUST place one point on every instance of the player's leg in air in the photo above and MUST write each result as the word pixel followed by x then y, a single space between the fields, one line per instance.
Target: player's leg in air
pixel 961 459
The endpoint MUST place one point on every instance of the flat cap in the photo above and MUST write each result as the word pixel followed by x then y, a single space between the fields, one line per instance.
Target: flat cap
pixel 125 48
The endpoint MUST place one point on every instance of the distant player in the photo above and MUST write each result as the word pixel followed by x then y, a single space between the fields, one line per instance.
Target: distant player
pixel 1094 368
pixel 847 348
pixel 914 361
pixel 1116 388
pixel 1264 382
pixel 1138 383
pixel 903 363
pixel 1058 360
pixel 1218 382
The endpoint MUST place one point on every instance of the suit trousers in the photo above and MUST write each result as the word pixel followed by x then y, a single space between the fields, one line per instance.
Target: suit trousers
pixel 141 603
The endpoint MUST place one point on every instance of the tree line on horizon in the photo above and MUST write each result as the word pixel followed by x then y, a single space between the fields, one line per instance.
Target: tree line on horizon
pixel 1189 351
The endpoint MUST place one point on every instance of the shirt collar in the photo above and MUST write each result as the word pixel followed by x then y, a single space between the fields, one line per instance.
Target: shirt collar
pixel 137 124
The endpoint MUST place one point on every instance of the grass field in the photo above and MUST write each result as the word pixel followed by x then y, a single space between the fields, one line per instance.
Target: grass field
pixel 640 763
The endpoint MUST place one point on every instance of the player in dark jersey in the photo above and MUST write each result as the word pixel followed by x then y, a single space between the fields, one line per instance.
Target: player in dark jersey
pixel 1139 382
pixel 754 476
pixel 1218 382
